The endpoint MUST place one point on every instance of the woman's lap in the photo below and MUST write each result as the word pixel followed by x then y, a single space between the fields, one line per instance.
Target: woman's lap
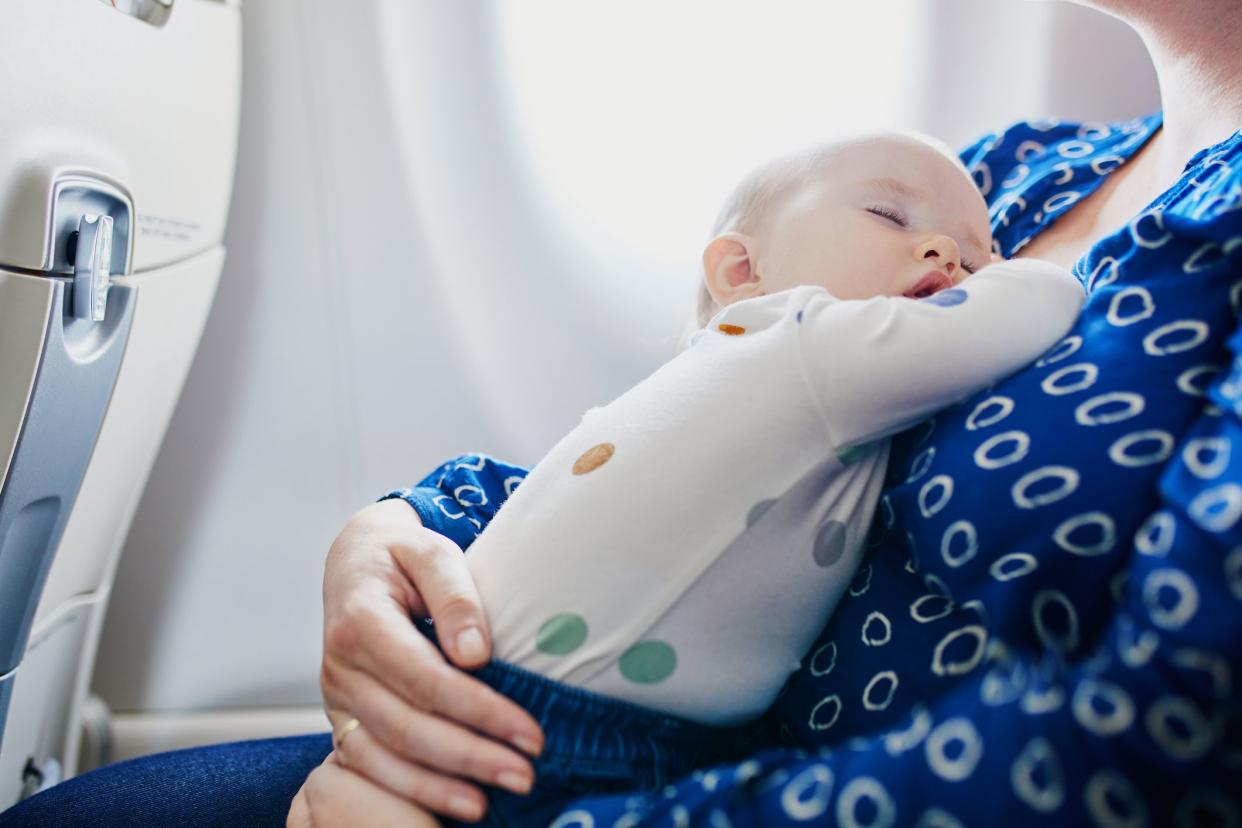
pixel 238 784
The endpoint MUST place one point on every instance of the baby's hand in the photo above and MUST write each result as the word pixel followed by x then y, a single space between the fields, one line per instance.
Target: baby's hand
pixel 995 257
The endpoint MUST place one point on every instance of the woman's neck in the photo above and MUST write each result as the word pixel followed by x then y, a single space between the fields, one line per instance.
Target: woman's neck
pixel 1197 51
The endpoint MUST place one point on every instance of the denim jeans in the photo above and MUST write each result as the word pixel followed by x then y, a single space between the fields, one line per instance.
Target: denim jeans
pixel 594 744
pixel 237 785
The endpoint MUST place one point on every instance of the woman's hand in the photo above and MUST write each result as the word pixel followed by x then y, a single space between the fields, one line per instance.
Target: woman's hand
pixel 335 797
pixel 424 724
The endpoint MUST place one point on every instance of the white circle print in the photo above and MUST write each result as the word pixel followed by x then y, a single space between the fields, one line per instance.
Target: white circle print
pixel 1207 457
pixel 1142 448
pixel 1013 565
pixel 1218 508
pixel 877 630
pixel 959 543
pixel 1062 350
pixel 868 788
pixel 1024 498
pixel 1016 177
pixel 941 606
pixel 1099 277
pixel 1175 337
pixel 824 659
pixel 1102 707
pixel 806 796
pixel 959 764
pixel 1177 586
pixel 1015 445
pixel 1070 379
pixel 1147 230
pixel 1061 200
pixel 1113 407
pixel 1075 149
pixel 942 667
pixel 459 494
pixel 1037 777
pixel 574 819
pixel 1113 802
pixel 1178 727
pixel 989 412
pixel 897 742
pixel 1155 537
pixel 1043 608
pixel 942 484
pixel 825 714
pixel 1195 379
pixel 922 463
pixel 1098 538
pixel 1130 305
pixel 878 694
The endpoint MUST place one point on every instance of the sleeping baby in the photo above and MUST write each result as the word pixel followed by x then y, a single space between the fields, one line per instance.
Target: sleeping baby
pixel 663 569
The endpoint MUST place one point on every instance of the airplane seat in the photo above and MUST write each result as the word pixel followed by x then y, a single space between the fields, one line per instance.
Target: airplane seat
pixel 116 170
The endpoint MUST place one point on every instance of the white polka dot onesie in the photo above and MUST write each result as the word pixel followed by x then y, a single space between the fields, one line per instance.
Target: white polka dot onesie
pixel 683 546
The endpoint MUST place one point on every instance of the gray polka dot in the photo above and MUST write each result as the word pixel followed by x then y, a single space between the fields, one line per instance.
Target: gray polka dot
pixel 757 511
pixel 829 543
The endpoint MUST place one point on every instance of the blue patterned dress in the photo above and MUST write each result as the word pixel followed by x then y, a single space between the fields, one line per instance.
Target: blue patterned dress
pixel 1047 627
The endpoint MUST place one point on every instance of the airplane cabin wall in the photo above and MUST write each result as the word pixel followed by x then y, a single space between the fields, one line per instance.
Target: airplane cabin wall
pixel 396 293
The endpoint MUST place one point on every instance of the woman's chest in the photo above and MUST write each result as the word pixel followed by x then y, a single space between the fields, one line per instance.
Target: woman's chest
pixel 1111 205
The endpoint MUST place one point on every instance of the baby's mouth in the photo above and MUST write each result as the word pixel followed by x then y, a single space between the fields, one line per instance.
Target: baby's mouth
pixel 933 282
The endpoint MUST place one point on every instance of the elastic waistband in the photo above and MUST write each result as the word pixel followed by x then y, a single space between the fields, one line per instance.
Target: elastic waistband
pixel 581 726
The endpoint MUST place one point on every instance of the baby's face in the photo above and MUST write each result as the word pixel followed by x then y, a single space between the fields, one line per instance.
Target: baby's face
pixel 893 217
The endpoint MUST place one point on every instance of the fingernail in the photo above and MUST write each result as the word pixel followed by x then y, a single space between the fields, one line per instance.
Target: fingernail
pixel 464 807
pixel 514 781
pixel 470 644
pixel 527 745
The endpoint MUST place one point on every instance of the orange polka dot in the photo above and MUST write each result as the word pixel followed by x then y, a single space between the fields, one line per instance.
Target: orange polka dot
pixel 731 330
pixel 593 458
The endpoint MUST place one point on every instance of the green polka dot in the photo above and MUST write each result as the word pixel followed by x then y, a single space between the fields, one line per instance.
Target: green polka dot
pixel 851 454
pixel 648 662
pixel 561 634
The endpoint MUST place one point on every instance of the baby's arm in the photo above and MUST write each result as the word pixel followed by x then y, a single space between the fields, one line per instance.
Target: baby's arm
pixel 881 365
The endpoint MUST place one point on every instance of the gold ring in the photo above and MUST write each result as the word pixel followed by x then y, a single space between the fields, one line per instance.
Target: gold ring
pixel 346 729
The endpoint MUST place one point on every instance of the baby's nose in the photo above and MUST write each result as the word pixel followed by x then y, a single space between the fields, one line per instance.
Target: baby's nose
pixel 943 250
pixel 949 264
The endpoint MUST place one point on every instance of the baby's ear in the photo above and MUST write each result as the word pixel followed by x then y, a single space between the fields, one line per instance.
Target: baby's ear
pixel 729 268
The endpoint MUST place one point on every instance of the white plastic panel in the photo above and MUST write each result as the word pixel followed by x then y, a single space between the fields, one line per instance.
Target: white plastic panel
pixel 172 306
pixel 153 109
pixel 43 694
pixel 24 305
pixel 170 309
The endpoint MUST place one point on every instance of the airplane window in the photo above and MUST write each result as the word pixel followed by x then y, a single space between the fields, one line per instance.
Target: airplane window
pixel 639 117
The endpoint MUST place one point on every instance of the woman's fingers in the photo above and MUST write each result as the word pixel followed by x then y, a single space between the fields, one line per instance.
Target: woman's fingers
pixel 421 717
pixel 397 656
pixel 436 792
pixel 336 797
pixel 438 570
pixel 429 740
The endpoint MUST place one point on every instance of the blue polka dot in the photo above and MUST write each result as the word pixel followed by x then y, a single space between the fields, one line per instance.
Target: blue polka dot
pixel 947 298
pixel 799 317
